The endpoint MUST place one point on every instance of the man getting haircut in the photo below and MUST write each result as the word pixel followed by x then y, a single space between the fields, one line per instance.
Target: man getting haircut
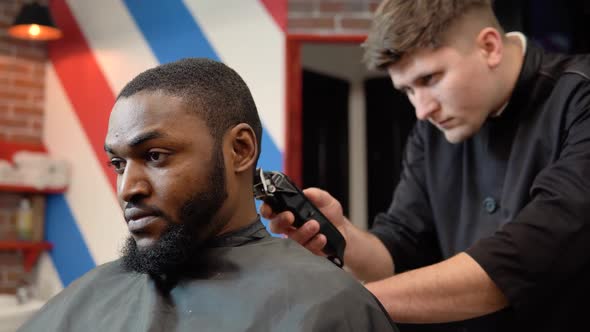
pixel 184 140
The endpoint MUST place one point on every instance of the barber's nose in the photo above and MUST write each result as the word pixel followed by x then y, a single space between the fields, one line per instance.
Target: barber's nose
pixel 424 104
pixel 133 183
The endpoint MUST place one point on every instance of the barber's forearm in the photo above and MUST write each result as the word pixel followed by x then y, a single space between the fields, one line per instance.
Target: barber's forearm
pixel 366 256
pixel 455 289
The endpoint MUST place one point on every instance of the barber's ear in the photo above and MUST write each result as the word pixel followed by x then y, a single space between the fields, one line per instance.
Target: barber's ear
pixel 491 46
pixel 244 147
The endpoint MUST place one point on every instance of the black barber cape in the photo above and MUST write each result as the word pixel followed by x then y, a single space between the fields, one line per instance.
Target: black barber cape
pixel 255 282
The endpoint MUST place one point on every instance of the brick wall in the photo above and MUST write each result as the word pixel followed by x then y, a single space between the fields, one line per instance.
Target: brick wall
pixel 11 262
pixel 12 274
pixel 22 77
pixel 330 16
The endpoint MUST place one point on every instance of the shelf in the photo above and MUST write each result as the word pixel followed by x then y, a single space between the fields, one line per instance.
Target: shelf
pixel 30 190
pixel 7 150
pixel 30 249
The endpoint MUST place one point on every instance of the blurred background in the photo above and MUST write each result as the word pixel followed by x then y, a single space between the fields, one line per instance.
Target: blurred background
pixel 328 122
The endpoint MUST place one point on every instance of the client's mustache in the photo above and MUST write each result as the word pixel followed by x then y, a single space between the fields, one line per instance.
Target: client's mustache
pixel 135 211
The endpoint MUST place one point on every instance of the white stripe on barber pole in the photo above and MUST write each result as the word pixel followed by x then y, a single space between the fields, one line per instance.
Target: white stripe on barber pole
pixel 90 197
pixel 246 38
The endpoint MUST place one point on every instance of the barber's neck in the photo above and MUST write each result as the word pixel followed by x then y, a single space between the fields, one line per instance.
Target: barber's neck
pixel 513 59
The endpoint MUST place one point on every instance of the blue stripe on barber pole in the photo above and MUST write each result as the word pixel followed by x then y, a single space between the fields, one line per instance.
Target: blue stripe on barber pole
pixel 169 29
pixel 71 257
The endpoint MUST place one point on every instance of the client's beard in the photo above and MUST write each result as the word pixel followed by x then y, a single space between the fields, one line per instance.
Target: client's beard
pixel 180 247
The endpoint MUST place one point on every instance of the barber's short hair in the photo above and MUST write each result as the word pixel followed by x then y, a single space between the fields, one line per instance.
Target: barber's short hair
pixel 214 91
pixel 402 26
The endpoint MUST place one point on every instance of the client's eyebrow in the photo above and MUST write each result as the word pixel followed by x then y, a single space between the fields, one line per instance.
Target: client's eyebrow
pixel 138 140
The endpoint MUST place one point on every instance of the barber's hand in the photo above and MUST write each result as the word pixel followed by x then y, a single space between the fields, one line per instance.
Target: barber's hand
pixel 307 235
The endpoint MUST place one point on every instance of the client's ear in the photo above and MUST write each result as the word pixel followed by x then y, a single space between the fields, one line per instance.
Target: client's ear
pixel 244 147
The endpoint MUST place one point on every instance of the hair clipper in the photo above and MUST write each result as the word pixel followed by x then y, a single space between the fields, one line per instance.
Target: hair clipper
pixel 278 191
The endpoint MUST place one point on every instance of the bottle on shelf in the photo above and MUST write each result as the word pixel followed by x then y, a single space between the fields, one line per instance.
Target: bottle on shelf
pixel 24 220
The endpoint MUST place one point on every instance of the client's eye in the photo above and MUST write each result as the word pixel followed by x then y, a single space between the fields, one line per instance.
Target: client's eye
pixel 154 156
pixel 117 164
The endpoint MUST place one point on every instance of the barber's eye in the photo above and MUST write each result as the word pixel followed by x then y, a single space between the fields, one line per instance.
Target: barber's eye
pixel 428 79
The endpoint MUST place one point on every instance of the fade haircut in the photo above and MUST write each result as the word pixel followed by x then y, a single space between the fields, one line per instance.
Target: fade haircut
pixel 402 26
pixel 214 91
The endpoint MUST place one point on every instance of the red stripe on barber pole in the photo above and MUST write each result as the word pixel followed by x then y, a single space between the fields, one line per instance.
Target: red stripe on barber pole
pixel 278 10
pixel 83 81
